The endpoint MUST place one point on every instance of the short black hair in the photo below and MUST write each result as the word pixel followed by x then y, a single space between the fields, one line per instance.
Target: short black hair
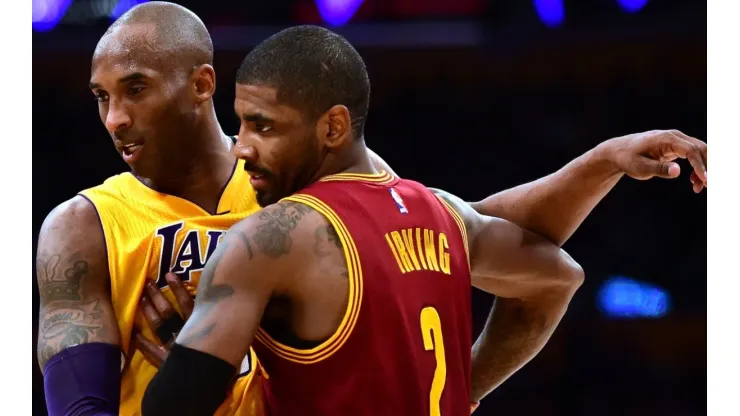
pixel 312 69
pixel 181 37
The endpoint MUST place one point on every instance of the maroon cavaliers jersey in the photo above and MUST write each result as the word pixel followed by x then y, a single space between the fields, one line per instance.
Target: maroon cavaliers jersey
pixel 403 347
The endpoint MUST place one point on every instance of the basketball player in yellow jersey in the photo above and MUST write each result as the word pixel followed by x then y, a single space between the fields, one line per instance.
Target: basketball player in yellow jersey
pixel 153 80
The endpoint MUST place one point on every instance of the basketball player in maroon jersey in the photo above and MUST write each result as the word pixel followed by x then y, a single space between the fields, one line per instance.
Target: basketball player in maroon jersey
pixel 352 285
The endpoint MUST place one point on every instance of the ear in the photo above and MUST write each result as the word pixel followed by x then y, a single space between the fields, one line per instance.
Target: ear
pixel 335 127
pixel 203 82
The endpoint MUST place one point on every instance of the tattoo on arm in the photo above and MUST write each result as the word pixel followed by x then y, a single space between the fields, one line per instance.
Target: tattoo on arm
pixel 328 244
pixel 66 318
pixel 326 238
pixel 209 295
pixel 272 237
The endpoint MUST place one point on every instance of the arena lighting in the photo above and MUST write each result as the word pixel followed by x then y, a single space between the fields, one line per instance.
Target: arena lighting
pixel 632 6
pixel 123 6
pixel 337 12
pixel 46 14
pixel 623 297
pixel 551 12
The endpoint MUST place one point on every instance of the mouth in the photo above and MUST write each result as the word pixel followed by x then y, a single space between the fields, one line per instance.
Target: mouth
pixel 258 180
pixel 132 151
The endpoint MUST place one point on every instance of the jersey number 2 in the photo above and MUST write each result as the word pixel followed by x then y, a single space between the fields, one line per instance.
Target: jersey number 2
pixel 431 332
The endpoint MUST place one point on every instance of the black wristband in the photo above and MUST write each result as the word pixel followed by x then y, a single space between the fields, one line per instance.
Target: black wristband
pixel 189 382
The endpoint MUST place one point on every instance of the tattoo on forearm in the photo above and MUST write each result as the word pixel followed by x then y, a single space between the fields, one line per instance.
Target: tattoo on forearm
pixel 513 335
pixel 69 324
pixel 273 236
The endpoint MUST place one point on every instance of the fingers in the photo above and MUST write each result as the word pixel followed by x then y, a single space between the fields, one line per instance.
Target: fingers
pixel 184 300
pixel 152 316
pixel 652 168
pixel 160 314
pixel 153 353
pixel 696 183
pixel 691 149
pixel 160 302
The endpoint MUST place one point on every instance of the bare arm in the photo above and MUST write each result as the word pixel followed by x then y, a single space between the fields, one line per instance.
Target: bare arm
pixel 534 281
pixel 556 205
pixel 257 258
pixel 73 280
pixel 78 342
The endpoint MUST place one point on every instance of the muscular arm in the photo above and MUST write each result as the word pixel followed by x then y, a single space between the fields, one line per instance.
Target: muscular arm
pixel 73 280
pixel 257 258
pixel 553 206
pixel 534 281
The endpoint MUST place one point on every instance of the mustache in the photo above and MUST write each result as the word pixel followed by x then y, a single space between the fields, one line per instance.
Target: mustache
pixel 250 167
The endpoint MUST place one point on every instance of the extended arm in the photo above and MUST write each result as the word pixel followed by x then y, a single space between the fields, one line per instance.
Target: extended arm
pixel 78 342
pixel 555 206
pixel 534 281
pixel 255 259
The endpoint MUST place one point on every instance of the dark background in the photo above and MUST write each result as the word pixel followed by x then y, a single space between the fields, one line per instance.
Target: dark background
pixel 477 96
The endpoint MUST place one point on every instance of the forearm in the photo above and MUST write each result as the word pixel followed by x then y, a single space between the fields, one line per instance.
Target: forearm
pixel 514 334
pixel 189 382
pixel 556 205
pixel 84 380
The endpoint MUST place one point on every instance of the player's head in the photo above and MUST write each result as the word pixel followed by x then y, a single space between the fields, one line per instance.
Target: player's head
pixel 153 78
pixel 302 97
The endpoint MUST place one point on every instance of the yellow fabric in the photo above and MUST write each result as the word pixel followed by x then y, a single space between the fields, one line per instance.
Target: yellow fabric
pixel 135 220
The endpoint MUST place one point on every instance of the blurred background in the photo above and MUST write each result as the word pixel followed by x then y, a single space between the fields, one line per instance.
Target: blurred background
pixel 476 96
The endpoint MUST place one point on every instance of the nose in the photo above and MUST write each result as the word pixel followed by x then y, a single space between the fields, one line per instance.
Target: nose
pixel 244 147
pixel 118 117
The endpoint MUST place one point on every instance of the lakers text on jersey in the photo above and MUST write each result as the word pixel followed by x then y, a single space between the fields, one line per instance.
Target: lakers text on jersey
pixel 148 234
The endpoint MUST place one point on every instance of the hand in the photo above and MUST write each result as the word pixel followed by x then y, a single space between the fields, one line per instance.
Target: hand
pixel 162 318
pixel 646 155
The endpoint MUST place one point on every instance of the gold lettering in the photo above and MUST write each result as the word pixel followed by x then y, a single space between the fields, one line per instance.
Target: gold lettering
pixel 429 250
pixel 444 256
pixel 398 241
pixel 419 249
pixel 408 241
pixel 395 255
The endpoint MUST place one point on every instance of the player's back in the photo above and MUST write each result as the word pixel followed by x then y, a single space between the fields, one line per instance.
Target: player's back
pixel 403 347
pixel 148 234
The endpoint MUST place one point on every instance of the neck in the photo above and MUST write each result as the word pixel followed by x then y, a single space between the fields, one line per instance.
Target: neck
pixel 356 159
pixel 204 166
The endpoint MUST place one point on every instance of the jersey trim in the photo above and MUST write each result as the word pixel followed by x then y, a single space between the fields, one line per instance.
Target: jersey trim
pixel 354 269
pixel 460 224
pixel 377 178
pixel 89 195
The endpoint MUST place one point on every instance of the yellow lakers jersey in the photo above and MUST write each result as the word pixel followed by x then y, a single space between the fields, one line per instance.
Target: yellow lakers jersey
pixel 149 234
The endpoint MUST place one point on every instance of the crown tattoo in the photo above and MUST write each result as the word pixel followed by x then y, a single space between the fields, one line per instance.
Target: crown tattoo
pixel 67 288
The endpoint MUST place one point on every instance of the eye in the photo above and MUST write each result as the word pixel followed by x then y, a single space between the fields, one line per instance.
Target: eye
pixel 135 89
pixel 262 127
pixel 100 96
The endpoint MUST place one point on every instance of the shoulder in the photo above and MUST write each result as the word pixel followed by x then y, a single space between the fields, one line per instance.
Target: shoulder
pixel 472 219
pixel 280 229
pixel 73 227
pixel 272 246
pixel 72 213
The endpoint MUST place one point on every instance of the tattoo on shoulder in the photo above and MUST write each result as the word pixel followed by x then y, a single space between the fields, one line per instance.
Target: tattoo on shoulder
pixel 272 237
pixel 64 286
pixel 326 239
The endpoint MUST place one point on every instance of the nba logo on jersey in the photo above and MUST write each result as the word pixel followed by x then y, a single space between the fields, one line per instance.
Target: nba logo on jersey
pixel 399 202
